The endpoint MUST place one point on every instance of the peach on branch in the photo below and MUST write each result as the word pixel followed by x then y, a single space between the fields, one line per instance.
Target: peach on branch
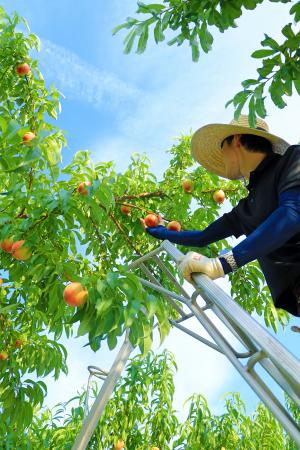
pixel 75 294
pixel 174 226
pixel 120 444
pixel 6 245
pixel 154 448
pixel 19 343
pixel 1 281
pixel 82 187
pixel 3 356
pixel 219 196
pixel 187 186
pixel 23 69
pixel 28 136
pixel 20 251
pixel 125 209
pixel 151 220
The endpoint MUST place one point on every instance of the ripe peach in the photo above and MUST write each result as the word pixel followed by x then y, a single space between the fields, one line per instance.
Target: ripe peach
pixel 18 343
pixel 82 187
pixel 3 355
pixel 219 196
pixel 28 136
pixel 75 294
pixel 125 209
pixel 187 186
pixel 23 69
pixel 151 220
pixel 20 251
pixel 120 444
pixel 1 282
pixel 174 226
pixel 154 448
pixel 6 245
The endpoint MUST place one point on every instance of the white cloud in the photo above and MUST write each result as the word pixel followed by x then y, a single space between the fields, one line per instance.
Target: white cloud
pixel 79 80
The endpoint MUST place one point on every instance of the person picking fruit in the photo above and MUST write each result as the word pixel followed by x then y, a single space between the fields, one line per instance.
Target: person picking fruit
pixel 269 216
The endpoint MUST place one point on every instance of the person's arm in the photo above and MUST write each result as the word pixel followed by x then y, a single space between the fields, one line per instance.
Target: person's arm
pixel 278 228
pixel 220 229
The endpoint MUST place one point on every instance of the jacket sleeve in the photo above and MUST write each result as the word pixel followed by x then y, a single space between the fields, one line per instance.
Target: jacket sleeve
pixel 217 230
pixel 278 228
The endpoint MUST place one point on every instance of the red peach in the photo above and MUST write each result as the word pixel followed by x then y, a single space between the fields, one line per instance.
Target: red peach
pixel 28 136
pixel 174 226
pixel 187 186
pixel 19 251
pixel 18 343
pixel 82 187
pixel 6 245
pixel 3 355
pixel 125 209
pixel 23 69
pixel 75 294
pixel 219 196
pixel 151 220
pixel 120 444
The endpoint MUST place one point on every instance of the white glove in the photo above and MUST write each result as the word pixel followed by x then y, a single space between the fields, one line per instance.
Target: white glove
pixel 195 262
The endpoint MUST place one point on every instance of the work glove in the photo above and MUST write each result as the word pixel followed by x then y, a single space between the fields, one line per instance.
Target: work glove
pixel 195 262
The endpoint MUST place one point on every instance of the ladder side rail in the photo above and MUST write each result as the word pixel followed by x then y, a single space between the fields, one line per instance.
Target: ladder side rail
pixel 258 386
pixel 167 271
pixel 156 282
pixel 91 421
pixel 274 405
pixel 87 395
pixel 281 357
pixel 226 319
pixel 288 387
pixel 196 336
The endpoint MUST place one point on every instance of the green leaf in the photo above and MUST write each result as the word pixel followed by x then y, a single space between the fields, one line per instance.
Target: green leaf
pixel 112 279
pixel 119 27
pixel 112 341
pixel 260 107
pixel 297 85
pixel 252 117
pixel 129 40
pixel 269 42
pixel 142 43
pixel 195 50
pixel 262 53
pixel 296 10
pixel 158 34
pixel 206 38
pixel 276 91
pixel 249 82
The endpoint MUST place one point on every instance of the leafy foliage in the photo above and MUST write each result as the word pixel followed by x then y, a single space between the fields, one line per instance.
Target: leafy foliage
pixel 81 238
pixel 193 21
pixel 141 413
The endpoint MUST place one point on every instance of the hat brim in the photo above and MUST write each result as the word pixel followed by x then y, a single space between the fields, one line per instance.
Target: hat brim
pixel 206 144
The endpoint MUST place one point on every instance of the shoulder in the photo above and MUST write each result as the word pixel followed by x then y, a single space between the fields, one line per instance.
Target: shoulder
pixel 288 169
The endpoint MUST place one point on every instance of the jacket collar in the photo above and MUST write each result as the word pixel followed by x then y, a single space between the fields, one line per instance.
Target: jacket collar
pixel 254 174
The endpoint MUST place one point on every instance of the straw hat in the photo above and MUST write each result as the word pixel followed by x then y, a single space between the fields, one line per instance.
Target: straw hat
pixel 206 142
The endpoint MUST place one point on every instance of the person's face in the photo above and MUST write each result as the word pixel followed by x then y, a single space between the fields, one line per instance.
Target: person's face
pixel 231 159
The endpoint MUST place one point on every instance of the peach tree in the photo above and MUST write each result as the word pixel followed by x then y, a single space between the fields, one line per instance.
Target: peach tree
pixel 80 223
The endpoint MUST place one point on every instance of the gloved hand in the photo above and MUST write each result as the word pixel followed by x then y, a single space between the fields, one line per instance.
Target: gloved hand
pixel 195 262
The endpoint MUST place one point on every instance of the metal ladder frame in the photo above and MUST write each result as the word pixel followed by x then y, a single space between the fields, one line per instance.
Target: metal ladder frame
pixel 262 349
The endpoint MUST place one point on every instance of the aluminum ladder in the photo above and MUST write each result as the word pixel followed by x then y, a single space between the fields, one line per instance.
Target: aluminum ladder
pixel 261 348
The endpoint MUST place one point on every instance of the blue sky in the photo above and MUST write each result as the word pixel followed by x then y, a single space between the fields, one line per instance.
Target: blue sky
pixel 117 104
